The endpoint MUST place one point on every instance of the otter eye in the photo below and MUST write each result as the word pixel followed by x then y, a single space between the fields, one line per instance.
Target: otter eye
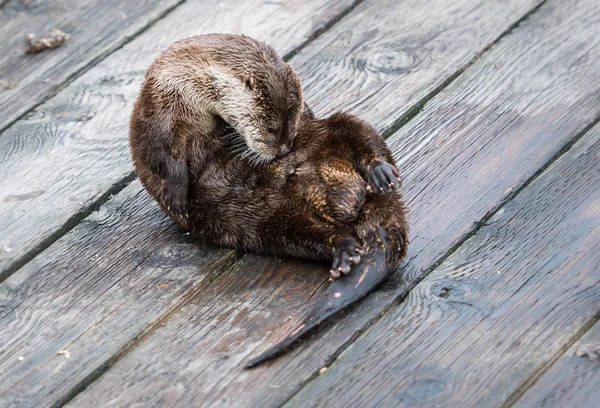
pixel 270 129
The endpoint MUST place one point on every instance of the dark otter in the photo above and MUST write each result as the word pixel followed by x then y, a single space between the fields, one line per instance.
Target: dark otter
pixel 333 198
pixel 307 204
pixel 190 86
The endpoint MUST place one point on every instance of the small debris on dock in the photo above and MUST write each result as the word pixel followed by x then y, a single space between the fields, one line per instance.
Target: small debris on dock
pixel 65 353
pixel 54 40
pixel 21 358
pixel 8 85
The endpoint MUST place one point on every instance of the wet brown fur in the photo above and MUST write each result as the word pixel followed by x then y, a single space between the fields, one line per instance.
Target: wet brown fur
pixel 301 205
pixel 195 83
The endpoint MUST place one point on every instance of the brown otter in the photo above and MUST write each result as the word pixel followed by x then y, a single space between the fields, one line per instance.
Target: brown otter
pixel 195 82
pixel 334 198
pixel 306 204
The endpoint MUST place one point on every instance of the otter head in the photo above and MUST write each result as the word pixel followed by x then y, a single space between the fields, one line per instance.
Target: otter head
pixel 274 114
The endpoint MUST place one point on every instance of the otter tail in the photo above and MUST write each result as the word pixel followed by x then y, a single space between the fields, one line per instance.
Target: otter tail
pixel 374 267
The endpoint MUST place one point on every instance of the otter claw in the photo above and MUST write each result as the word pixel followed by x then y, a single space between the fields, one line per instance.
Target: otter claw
pixel 383 177
pixel 345 255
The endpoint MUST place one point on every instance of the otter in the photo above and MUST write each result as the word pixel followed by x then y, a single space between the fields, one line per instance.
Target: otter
pixel 195 83
pixel 323 189
pixel 335 197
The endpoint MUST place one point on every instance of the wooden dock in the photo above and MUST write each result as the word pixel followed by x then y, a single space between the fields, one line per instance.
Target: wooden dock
pixel 492 110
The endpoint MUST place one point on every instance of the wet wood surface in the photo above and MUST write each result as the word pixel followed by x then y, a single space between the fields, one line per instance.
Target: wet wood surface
pixel 496 312
pixel 573 380
pixel 67 313
pixel 463 141
pixel 125 309
pixel 52 158
pixel 97 28
pixel 82 132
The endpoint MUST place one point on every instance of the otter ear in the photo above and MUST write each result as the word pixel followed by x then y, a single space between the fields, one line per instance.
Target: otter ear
pixel 249 82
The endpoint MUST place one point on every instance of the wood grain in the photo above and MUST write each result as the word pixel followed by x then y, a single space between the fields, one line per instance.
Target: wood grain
pixel 56 300
pixel 91 293
pixel 573 381
pixel 389 55
pixel 97 28
pixel 72 149
pixel 501 307
pixel 457 171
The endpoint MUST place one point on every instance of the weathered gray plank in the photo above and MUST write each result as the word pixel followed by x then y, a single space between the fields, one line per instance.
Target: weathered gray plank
pixel 91 293
pixel 72 149
pixel 499 309
pixel 100 286
pixel 573 380
pixel 53 157
pixel 97 28
pixel 505 109
pixel 393 54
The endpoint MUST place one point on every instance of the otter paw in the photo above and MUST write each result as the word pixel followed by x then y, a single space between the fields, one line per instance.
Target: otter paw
pixel 383 178
pixel 175 196
pixel 347 252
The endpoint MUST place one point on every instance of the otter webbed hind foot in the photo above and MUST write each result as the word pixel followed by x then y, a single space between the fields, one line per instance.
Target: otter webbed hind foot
pixel 383 178
pixel 347 253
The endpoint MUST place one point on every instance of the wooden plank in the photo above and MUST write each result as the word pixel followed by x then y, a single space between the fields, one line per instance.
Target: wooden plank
pixel 116 279
pixel 573 381
pixel 91 295
pixel 96 28
pixel 394 54
pixel 453 176
pixel 53 157
pixel 504 305
pixel 67 154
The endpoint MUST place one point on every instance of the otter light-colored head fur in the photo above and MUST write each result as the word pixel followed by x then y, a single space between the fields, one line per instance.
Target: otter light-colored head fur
pixel 234 77
pixel 264 107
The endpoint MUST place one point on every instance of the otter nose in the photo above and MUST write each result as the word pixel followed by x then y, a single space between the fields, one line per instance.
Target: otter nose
pixel 284 150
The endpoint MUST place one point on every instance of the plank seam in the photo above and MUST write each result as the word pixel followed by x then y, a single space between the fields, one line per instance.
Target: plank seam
pixel 91 63
pixel 317 33
pixel 73 221
pixel 476 227
pixel 223 265
pixel 418 107
pixel 534 377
